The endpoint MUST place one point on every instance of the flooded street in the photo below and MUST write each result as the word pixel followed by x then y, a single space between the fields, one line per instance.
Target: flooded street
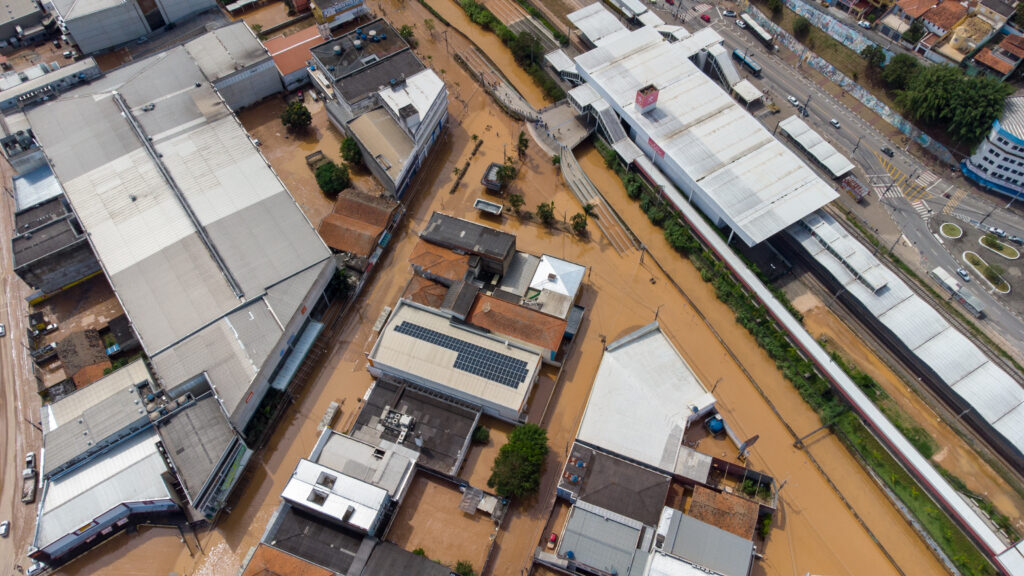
pixel 813 531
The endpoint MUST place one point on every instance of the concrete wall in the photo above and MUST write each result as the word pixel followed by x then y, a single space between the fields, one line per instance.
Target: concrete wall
pixel 175 10
pixel 58 269
pixel 243 412
pixel 110 27
pixel 248 86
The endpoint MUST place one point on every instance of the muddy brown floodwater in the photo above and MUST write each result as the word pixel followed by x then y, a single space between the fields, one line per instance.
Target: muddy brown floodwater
pixel 813 532
pixel 952 452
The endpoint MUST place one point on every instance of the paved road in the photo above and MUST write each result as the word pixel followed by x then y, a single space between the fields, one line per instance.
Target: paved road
pixel 862 143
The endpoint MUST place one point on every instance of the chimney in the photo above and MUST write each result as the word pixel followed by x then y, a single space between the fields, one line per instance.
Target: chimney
pixel 646 98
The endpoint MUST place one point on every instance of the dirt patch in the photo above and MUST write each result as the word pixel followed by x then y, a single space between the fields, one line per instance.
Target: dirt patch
pixel 90 305
pixel 430 519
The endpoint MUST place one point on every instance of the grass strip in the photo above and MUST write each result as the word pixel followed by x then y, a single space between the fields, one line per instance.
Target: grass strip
pixel 813 388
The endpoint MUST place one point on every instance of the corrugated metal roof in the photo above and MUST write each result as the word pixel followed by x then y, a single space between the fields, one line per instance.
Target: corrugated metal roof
pixel 816 146
pixel 599 539
pixel 642 379
pixel 706 545
pixel 36 187
pixel 224 51
pixel 1012 119
pixel 560 61
pixel 128 473
pixel 747 91
pixel 957 361
pixel 755 182
pixel 162 270
pixel 595 21
pixel 699 40
pixel 650 19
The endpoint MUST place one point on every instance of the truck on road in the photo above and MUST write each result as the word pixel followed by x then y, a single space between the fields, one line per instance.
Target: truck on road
pixel 28 485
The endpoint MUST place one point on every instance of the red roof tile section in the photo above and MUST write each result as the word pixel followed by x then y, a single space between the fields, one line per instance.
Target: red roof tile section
pixel 915 8
pixel 357 222
pixel 946 14
pixel 437 263
pixel 426 292
pixel 518 322
pixel 726 511
pixel 267 560
pixel 987 58
pixel 290 53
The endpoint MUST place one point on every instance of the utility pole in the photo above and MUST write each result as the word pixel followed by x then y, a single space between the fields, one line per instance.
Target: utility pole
pixel 859 138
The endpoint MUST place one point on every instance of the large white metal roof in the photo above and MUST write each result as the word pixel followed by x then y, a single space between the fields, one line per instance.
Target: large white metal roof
pixel 595 21
pixel 226 50
pixel 989 389
pixel 128 473
pixel 179 278
pixel 758 185
pixel 344 499
pixel 642 398
pixel 420 91
pixel 819 149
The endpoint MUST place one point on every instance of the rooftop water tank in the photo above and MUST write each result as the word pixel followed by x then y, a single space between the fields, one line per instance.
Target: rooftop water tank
pixel 337 49
pixel 358 44
pixel 373 33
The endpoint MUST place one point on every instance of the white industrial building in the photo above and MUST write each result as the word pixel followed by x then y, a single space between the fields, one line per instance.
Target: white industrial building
pixel 643 379
pixel 219 271
pixel 241 69
pixel 680 122
pixel 422 346
pixel 100 24
pixel 28 87
pixel 376 90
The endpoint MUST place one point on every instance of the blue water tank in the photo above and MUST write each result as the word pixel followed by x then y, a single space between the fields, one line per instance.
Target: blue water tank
pixel 716 425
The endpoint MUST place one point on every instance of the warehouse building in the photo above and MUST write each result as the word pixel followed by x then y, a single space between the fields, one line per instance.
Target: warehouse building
pixel 241 69
pixel 377 91
pixel 100 24
pixel 678 122
pixel 421 346
pixel 220 273
pixel 19 90
pixel 18 16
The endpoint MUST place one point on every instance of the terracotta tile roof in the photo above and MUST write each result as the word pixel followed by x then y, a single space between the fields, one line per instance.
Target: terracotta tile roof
pixel 987 58
pixel 424 291
pixel 438 263
pixel 356 223
pixel 915 8
pixel 267 560
pixel 90 374
pixel 1014 45
pixel 290 53
pixel 929 40
pixel 726 511
pixel 946 14
pixel 518 322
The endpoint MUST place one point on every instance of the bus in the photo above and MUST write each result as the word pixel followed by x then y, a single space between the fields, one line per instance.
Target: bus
pixel 747 62
pixel 758 31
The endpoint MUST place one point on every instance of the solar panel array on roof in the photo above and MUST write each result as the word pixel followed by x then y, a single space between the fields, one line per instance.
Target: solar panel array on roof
pixel 471 358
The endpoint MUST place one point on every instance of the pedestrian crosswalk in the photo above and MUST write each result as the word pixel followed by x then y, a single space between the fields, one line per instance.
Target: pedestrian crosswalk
pixel 954 200
pixel 922 209
pixel 926 179
pixel 701 8
pixel 887 191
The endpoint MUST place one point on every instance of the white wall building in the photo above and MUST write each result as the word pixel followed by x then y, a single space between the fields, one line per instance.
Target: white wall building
pixel 998 162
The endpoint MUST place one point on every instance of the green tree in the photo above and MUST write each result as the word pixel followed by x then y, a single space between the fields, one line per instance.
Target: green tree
pixel 589 210
pixel 546 213
pixel 944 97
pixel 556 159
pixel 516 201
pixel 1018 16
pixel 332 178
pixel 522 144
pixel 428 23
pixel 296 117
pixel 915 32
pixel 507 172
pixel 420 552
pixel 801 28
pixel 579 223
pixel 481 435
pixel 900 70
pixel 516 470
pixel 526 49
pixel 464 568
pixel 875 57
pixel 350 151
pixel 406 31
pixel 775 6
